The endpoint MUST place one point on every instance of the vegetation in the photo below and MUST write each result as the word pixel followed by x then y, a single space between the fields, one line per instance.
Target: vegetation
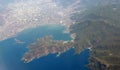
pixel 45 46
pixel 99 28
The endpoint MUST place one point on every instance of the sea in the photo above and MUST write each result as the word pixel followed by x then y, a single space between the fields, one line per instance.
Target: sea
pixel 12 52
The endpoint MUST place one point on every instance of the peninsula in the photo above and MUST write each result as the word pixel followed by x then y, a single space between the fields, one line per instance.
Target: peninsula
pixel 45 46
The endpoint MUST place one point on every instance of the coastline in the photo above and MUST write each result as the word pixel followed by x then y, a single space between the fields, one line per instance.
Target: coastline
pixel 48 45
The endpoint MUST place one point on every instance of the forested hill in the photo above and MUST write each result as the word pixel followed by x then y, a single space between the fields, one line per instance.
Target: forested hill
pixel 98 27
pixel 95 25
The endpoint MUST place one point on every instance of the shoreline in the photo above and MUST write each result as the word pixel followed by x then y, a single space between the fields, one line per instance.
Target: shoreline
pixel 27 28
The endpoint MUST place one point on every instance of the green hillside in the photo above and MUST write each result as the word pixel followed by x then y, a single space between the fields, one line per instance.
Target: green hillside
pixel 99 28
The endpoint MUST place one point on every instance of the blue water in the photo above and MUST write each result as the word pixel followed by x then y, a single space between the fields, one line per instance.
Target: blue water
pixel 11 53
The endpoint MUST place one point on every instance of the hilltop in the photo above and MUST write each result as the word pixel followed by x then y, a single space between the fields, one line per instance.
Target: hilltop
pixel 98 28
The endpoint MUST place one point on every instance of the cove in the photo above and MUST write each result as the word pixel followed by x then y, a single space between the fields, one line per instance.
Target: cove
pixel 11 53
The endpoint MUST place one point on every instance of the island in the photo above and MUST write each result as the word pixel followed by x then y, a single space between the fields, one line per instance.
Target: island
pixel 44 46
